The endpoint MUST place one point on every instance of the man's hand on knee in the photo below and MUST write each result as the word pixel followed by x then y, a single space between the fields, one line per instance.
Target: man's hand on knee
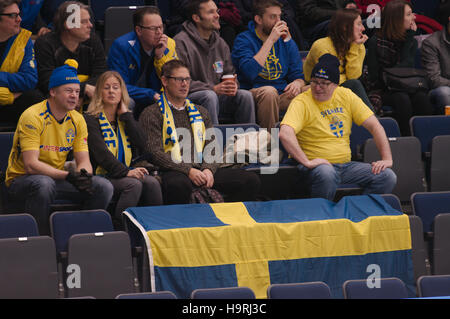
pixel 81 180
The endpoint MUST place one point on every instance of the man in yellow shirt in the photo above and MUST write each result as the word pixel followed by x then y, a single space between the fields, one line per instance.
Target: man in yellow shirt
pixel 45 135
pixel 316 133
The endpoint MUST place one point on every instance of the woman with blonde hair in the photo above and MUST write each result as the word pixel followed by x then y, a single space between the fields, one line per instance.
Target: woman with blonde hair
pixel 113 136
pixel 345 40
pixel 394 45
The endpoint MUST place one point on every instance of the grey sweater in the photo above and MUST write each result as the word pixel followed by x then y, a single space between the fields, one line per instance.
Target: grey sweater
pixel 207 60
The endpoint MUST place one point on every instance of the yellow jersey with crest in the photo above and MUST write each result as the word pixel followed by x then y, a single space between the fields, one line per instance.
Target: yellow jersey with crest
pixel 323 128
pixel 38 130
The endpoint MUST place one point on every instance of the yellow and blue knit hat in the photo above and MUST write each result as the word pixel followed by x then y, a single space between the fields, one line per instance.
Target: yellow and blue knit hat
pixel 64 74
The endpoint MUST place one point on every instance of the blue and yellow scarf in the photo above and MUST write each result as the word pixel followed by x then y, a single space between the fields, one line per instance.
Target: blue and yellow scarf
pixel 118 144
pixel 169 133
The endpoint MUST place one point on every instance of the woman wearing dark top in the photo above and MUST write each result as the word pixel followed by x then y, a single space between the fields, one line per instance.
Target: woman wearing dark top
pixel 113 134
pixel 394 46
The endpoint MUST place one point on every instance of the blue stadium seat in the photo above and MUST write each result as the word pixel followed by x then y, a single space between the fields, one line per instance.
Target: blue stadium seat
pixel 360 135
pixel 223 293
pixel 304 290
pixel 425 128
pixel 433 286
pixel 148 295
pixel 393 200
pixel 18 225
pixel 67 223
pixel 389 288
pixel 427 205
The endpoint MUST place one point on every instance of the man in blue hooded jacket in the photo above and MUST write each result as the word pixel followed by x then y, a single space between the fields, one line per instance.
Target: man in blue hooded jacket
pixel 268 62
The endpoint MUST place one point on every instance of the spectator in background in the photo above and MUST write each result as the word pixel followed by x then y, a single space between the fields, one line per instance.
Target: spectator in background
pixel 208 58
pixel 245 7
pixel 70 40
pixel 394 46
pixel 314 16
pixel 267 65
pixel 139 55
pixel 436 61
pixel 114 138
pixel 45 135
pixel 316 133
pixel 345 41
pixel 18 72
pixel 31 17
pixel 184 168
pixel 230 18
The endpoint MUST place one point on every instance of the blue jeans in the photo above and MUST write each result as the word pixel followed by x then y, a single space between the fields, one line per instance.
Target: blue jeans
pixel 241 106
pixel 440 97
pixel 324 179
pixel 35 194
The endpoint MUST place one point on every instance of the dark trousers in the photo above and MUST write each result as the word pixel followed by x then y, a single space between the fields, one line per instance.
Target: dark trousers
pixel 407 105
pixel 9 114
pixel 236 184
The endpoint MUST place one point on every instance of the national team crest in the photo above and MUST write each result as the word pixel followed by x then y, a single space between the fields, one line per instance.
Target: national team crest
pixel 337 126
pixel 70 136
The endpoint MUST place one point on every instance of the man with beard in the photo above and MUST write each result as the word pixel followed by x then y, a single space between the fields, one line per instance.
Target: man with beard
pixel 268 62
pixel 208 58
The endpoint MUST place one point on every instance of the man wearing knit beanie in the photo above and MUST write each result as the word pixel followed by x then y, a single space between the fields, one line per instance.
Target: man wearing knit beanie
pixel 45 135
pixel 316 133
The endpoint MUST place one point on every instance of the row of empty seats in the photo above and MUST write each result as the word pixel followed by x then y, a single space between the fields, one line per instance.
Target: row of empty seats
pixel 385 288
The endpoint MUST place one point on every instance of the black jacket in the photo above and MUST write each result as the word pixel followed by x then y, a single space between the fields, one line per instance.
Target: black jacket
pixel 100 154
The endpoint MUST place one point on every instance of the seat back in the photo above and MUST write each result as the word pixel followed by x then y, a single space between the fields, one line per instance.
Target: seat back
pixel 113 29
pixel 419 251
pixel 18 225
pixel 105 264
pixel 389 288
pixel 427 127
pixel 440 163
pixel 67 223
pixel 304 290
pixel 99 7
pixel 427 205
pixel 393 200
pixel 148 295
pixel 28 268
pixel 434 286
pixel 360 135
pixel 407 164
pixel 223 293
pixel 441 244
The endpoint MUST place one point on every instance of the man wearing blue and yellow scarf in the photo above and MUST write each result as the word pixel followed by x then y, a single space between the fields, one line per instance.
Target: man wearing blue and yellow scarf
pixel 18 74
pixel 182 172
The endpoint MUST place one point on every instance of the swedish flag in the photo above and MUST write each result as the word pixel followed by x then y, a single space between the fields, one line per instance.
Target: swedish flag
pixel 256 244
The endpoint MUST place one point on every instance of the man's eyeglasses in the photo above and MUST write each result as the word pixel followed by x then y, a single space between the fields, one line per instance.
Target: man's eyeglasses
pixel 11 15
pixel 322 85
pixel 153 29
pixel 180 80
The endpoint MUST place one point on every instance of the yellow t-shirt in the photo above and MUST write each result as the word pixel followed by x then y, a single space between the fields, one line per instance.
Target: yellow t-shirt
pixel 323 128
pixel 350 67
pixel 37 129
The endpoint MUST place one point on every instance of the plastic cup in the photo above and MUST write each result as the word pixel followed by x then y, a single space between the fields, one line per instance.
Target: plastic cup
pixel 228 77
